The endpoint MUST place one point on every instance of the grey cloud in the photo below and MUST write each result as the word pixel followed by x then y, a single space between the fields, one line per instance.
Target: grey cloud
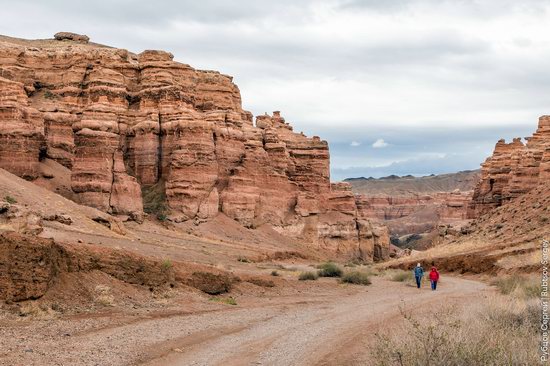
pixel 346 69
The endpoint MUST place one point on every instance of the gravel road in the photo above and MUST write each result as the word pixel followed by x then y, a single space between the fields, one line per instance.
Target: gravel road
pixel 308 330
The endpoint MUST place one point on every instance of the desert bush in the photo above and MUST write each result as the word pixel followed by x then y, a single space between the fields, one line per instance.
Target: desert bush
pixel 274 273
pixel 36 310
pixel 329 269
pixel 308 276
pixel 498 332
pixel 9 199
pixel 225 300
pixel 104 296
pixel 243 259
pixel 261 282
pixel 211 283
pixel 356 278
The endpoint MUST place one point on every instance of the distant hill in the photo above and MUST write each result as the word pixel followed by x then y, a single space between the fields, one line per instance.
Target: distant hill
pixel 394 185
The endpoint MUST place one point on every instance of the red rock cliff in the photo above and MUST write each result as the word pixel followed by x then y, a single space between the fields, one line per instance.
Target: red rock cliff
pixel 124 123
pixel 514 169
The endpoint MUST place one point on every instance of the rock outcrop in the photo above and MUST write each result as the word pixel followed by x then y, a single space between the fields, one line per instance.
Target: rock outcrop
pixel 514 169
pixel 125 123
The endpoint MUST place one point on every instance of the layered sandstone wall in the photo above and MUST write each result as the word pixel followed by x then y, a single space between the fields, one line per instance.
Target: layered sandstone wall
pixel 447 205
pixel 514 168
pixel 124 123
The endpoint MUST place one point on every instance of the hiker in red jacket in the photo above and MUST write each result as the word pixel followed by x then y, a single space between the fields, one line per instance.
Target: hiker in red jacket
pixel 434 277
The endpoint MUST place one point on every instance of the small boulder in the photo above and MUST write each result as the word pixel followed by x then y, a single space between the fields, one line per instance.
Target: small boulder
pixel 68 36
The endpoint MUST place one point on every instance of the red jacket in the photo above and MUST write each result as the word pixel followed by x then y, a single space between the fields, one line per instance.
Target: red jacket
pixel 434 275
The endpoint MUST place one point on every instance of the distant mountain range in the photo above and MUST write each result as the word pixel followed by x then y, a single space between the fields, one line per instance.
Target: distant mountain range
pixel 394 185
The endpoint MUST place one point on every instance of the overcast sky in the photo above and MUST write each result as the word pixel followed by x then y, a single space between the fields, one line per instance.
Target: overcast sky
pixel 396 87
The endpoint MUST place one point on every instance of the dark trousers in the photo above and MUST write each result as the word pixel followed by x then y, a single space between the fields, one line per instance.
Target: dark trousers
pixel 418 279
pixel 434 285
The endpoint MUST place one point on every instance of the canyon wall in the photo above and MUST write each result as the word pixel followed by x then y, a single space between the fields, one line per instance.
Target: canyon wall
pixel 448 205
pixel 514 169
pixel 128 124
pixel 411 205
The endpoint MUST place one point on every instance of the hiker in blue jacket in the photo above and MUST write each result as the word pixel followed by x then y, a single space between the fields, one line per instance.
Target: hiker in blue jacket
pixel 418 274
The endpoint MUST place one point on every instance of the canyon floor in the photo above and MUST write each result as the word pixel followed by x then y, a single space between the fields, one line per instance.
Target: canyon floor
pixel 321 323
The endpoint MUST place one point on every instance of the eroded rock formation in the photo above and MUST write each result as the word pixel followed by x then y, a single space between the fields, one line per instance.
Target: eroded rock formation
pixel 126 123
pixel 514 168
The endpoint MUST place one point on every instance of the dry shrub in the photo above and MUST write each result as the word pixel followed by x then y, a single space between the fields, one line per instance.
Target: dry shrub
pixel 356 278
pixel 308 276
pixel 36 310
pixel 103 295
pixel 211 283
pixel 329 269
pixel 497 332
pixel 261 282
pixel 400 275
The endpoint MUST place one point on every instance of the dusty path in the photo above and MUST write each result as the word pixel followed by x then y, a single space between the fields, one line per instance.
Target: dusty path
pixel 305 331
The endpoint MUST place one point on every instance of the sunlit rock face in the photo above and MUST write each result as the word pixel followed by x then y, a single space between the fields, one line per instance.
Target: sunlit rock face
pixel 123 123
pixel 514 169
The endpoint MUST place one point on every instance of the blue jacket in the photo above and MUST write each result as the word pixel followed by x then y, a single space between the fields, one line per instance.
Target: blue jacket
pixel 418 271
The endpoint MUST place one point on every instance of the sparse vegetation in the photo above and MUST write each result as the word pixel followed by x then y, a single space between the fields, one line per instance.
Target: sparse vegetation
pixel 261 282
pixel 104 296
pixel 9 199
pixel 166 264
pixel 329 269
pixel 518 286
pixel 356 278
pixel 154 200
pixel 275 273
pixel 500 332
pixel 400 276
pixel 243 259
pixel 49 95
pixel 308 276
pixel 211 283
pixel 225 300
pixel 35 310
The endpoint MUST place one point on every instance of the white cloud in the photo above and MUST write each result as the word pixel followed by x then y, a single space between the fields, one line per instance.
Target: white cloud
pixel 355 143
pixel 380 143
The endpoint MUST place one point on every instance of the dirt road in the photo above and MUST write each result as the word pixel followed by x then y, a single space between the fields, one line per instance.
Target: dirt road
pixel 306 330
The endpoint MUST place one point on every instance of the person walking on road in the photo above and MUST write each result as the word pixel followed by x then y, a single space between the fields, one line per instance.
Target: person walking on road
pixel 434 277
pixel 418 274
